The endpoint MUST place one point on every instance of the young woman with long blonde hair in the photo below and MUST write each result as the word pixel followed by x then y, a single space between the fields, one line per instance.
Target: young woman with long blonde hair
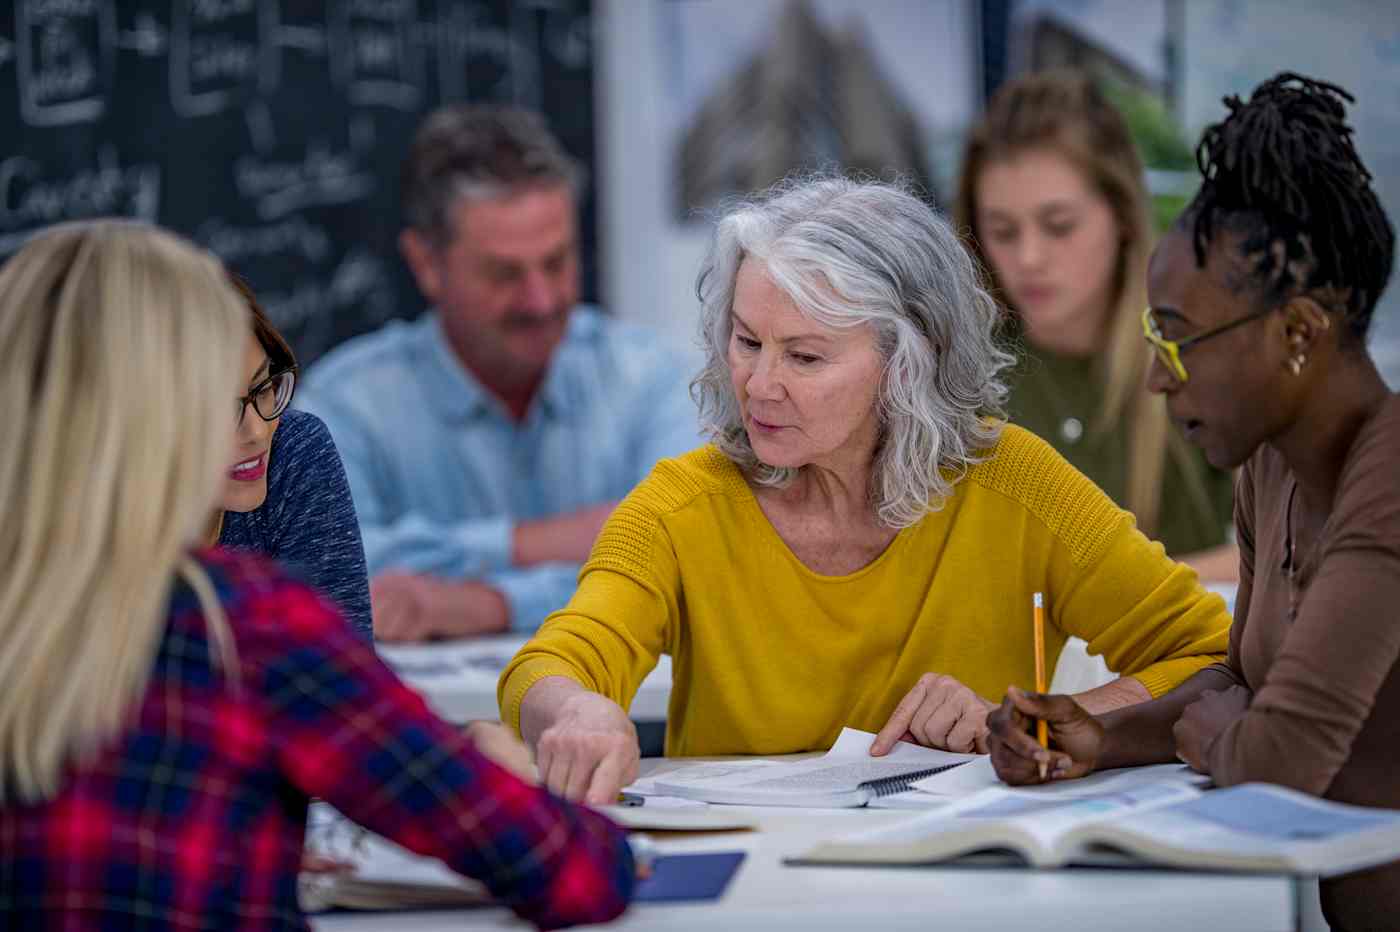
pixel 1053 199
pixel 166 712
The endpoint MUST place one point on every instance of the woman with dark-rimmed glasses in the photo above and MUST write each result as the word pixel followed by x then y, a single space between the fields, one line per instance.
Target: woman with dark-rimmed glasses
pixel 285 494
pixel 1261 297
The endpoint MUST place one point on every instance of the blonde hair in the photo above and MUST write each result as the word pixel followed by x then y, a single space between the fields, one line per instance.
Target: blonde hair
pixel 1065 112
pixel 119 353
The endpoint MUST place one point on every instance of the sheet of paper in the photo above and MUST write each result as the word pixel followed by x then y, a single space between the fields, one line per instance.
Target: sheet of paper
pixel 846 765
pixel 854 744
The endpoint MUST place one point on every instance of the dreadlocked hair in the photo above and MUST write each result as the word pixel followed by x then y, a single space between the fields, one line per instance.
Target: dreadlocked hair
pixel 1282 170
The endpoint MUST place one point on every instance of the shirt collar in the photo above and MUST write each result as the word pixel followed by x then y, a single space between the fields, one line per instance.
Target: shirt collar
pixel 459 396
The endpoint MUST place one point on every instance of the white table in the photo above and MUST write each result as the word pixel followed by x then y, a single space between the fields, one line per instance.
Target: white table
pixel 458 678
pixel 767 895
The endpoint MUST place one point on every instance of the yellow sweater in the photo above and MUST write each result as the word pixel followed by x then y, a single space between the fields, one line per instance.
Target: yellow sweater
pixel 769 657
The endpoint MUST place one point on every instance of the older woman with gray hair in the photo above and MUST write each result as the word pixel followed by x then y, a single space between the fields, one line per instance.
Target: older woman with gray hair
pixel 860 543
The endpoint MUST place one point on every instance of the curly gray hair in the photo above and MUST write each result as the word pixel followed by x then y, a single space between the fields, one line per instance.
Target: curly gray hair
pixel 850 253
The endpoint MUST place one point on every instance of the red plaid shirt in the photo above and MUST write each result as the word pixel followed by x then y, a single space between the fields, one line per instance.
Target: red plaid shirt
pixel 194 816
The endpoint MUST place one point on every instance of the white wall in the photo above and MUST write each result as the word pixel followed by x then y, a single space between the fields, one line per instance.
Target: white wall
pixel 648 262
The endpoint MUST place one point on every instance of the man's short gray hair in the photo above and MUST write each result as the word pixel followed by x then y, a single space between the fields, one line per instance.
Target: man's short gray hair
pixel 859 252
pixel 478 151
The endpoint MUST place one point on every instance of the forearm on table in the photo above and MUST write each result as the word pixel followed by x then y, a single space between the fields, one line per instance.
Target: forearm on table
pixel 566 538
pixel 1122 692
pixel 1142 733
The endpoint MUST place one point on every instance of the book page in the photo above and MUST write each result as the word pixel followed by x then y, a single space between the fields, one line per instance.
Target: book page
pixel 1003 812
pixel 1257 824
pixel 1048 817
pixel 1279 817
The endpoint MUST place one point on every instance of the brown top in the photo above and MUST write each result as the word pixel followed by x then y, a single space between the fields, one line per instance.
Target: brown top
pixel 1318 646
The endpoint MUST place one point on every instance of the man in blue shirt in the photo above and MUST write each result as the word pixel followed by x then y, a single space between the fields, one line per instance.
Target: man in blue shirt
pixel 487 441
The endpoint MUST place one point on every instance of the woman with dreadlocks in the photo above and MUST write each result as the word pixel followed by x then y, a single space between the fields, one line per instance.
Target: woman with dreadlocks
pixel 1260 301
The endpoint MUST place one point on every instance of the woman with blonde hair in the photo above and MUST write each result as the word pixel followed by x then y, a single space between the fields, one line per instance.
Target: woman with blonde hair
pixel 1053 199
pixel 167 713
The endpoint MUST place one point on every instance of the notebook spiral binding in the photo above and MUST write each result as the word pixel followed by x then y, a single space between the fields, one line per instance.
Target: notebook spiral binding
pixel 891 785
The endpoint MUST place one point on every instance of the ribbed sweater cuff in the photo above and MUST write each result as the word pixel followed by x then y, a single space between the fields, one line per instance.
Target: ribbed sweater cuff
pixel 523 677
pixel 1161 678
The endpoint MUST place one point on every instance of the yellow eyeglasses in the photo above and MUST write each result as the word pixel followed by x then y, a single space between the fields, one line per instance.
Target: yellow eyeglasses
pixel 1169 351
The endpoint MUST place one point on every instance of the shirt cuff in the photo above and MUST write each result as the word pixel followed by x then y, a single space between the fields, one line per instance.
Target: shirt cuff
pixel 488 541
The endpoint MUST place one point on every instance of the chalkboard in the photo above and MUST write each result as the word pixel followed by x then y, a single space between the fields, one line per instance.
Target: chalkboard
pixel 271 132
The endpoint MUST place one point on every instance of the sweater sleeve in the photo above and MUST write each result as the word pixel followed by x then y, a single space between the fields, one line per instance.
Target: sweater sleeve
pixel 1147 615
pixel 1340 649
pixel 343 728
pixel 624 613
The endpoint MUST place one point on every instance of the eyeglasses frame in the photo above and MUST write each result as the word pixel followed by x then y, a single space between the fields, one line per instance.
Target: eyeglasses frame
pixel 1169 351
pixel 246 400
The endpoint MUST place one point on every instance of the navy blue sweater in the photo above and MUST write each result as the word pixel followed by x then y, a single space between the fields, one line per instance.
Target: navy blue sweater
pixel 308 521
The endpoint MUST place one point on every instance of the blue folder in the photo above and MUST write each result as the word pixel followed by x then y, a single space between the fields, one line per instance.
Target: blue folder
pixel 679 877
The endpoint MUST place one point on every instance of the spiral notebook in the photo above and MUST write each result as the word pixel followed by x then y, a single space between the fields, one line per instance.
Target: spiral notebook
pixel 845 776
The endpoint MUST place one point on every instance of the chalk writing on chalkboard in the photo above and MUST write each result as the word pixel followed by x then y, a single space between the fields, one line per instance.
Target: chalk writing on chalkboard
pixel 270 131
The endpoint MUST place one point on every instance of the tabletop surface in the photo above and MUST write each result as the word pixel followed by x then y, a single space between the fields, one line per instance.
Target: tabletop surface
pixel 767 894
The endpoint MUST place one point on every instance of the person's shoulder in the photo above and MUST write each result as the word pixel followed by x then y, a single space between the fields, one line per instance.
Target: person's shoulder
pixel 672 492
pixel 634 351
pixel 1379 438
pixel 303 444
pixel 678 481
pixel 1029 471
pixel 375 351
pixel 301 431
pixel 305 463
pixel 1368 494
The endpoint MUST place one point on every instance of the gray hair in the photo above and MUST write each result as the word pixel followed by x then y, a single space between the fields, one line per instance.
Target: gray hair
pixel 849 253
pixel 478 151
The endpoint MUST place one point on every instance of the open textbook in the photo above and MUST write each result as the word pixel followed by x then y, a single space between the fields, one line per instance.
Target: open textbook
pixel 1251 827
pixel 845 776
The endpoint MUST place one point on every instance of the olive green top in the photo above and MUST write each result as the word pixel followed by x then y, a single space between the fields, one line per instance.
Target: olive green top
pixel 1058 398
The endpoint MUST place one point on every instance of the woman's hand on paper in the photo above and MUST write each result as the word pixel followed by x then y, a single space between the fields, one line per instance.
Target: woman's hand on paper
pixel 500 744
pixel 590 751
pixel 1203 721
pixel 1076 738
pixel 939 712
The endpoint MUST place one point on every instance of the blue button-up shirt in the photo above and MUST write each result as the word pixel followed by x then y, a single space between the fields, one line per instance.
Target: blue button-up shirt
pixel 440 472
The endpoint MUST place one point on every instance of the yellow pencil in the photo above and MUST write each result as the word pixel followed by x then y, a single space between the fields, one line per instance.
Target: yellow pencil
pixel 1042 733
